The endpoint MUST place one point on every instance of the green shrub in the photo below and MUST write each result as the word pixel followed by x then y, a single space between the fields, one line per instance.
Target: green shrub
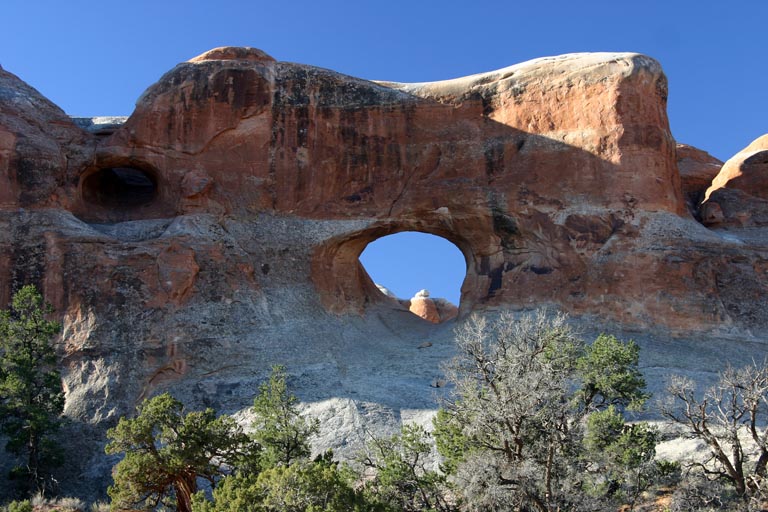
pixel 18 506
pixel 304 486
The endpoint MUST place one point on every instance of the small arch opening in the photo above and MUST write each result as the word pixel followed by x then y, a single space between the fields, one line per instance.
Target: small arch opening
pixel 119 187
pixel 423 272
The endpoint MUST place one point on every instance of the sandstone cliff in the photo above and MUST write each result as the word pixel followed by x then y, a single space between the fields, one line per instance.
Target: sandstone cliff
pixel 217 230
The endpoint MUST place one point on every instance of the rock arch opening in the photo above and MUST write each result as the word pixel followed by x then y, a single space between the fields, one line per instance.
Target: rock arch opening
pixel 119 187
pixel 421 271
pixel 344 285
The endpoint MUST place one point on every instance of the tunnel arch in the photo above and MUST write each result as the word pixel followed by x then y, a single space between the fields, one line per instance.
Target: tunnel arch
pixel 420 271
pixel 344 285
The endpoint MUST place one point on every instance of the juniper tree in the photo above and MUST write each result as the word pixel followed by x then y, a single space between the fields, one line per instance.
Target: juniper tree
pixel 513 432
pixel 319 485
pixel 402 478
pixel 731 419
pixel 167 452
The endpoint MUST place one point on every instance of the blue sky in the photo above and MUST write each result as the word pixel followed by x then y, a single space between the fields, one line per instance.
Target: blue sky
pixel 95 58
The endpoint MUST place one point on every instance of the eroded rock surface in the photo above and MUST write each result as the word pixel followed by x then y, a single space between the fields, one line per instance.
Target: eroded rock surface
pixel 738 195
pixel 434 310
pixel 697 170
pixel 217 230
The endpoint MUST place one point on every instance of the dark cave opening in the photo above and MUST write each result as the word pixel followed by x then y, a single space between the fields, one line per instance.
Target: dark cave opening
pixel 120 187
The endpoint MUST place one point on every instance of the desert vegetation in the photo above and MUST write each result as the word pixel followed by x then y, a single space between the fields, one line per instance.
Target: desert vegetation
pixel 31 394
pixel 537 420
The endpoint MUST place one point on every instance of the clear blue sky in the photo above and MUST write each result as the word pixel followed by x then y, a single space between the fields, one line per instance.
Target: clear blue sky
pixel 95 58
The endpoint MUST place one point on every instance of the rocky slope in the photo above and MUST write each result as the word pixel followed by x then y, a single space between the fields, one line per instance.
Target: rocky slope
pixel 217 230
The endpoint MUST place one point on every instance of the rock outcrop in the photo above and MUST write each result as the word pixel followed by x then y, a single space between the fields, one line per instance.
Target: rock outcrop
pixel 217 230
pixel 746 171
pixel 697 170
pixel 433 310
pixel 738 195
pixel 424 307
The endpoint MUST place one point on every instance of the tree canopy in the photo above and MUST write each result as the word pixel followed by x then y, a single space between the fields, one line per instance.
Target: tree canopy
pixel 167 451
pixel 515 433
pixel 278 426
pixel 731 419
pixel 402 479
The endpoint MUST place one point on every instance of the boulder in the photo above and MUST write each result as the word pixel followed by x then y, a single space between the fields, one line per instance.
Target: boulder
pixel 425 308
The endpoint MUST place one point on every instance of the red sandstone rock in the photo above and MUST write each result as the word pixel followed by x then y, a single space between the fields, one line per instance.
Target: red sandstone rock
pixel 697 170
pixel 39 147
pixel 738 195
pixel 446 310
pixel 195 183
pixel 177 270
pixel 425 308
pixel 557 178
pixel 234 53
pixel 746 171
pixel 712 214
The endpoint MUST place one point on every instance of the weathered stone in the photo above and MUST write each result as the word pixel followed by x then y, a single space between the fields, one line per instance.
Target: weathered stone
pixel 556 178
pixel 425 308
pixel 195 184
pixel 738 195
pixel 234 53
pixel 697 170
pixel 712 213
pixel 746 171
pixel 445 309
pixel 100 125
pixel 386 291
pixel 541 194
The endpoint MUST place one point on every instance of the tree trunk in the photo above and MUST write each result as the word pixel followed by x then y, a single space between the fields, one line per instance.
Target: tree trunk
pixel 33 463
pixel 185 487
pixel 761 463
pixel 548 475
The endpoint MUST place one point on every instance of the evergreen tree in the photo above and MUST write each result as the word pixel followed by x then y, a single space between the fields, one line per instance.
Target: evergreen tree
pixel 31 394
pixel 280 428
pixel 166 452
pixel 536 421
pixel 402 478
pixel 320 485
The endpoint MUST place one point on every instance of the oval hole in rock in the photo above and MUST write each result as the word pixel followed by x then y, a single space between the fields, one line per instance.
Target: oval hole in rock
pixel 406 263
pixel 120 187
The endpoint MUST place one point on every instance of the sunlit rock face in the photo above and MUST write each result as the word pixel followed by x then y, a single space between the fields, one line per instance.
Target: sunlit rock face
pixel 738 195
pixel 432 309
pixel 217 230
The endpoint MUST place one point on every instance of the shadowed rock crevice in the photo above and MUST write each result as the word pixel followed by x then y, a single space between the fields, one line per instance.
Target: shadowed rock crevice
pixel 119 187
pixel 120 190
